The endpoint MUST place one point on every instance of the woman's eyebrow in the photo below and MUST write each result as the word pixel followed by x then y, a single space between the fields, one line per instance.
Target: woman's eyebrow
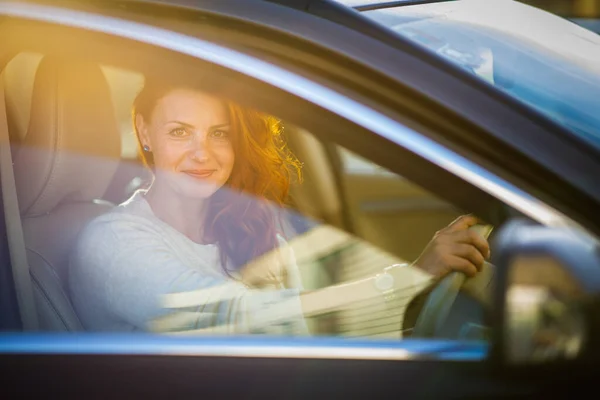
pixel 192 126
pixel 219 125
pixel 180 123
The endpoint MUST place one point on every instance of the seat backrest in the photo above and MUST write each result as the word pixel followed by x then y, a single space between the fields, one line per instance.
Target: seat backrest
pixel 63 165
pixel 318 196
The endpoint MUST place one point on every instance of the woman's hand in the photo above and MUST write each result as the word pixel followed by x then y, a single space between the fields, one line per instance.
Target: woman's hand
pixel 455 248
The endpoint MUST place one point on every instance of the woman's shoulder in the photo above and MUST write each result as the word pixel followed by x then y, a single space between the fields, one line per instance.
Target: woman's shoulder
pixel 122 223
pixel 281 239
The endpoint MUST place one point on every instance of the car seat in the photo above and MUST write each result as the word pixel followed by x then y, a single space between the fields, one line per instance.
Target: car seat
pixel 63 164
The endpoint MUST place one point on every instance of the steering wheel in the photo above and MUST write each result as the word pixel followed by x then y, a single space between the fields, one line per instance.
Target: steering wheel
pixel 439 302
pixel 442 297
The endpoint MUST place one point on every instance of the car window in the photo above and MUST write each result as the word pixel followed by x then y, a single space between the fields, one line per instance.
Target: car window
pixel 340 226
pixel 346 219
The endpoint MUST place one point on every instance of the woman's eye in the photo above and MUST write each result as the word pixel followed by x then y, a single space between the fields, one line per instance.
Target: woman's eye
pixel 218 134
pixel 178 132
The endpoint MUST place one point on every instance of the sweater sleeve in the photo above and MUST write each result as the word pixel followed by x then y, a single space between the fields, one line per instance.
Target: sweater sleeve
pixel 127 267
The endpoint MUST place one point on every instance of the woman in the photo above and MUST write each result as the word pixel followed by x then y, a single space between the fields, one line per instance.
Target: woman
pixel 216 166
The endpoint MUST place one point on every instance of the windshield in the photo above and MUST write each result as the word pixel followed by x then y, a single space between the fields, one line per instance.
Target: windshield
pixel 538 58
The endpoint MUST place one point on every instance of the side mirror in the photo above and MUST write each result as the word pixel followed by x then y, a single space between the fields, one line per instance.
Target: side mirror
pixel 547 296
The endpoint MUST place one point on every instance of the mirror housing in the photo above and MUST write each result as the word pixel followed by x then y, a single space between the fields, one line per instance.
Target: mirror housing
pixel 546 306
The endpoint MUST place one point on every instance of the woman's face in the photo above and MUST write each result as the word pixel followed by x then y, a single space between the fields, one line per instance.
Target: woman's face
pixel 188 135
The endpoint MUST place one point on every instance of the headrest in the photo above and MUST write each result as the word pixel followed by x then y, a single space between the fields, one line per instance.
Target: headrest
pixel 72 146
pixel 18 76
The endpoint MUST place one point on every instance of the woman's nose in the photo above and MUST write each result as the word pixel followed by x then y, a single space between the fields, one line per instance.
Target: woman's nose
pixel 199 150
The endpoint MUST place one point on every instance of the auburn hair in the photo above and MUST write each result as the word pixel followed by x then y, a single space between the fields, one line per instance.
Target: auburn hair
pixel 241 216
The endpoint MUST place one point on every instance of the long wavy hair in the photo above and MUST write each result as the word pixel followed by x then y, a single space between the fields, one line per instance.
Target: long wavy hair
pixel 241 216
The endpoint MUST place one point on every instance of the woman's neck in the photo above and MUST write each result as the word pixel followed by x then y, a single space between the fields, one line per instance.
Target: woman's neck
pixel 185 215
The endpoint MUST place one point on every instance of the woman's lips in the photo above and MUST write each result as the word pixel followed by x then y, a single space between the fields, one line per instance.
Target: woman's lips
pixel 200 174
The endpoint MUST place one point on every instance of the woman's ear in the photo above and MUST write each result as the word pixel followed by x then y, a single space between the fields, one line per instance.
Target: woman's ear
pixel 142 130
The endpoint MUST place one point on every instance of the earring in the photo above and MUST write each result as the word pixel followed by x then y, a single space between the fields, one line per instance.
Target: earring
pixel 146 148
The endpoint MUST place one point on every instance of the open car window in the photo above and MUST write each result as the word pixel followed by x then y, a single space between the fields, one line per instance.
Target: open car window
pixel 347 218
pixel 357 210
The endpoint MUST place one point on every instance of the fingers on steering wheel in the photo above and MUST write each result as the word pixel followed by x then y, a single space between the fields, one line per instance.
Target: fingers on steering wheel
pixel 471 253
pixel 475 239
pixel 461 223
pixel 463 265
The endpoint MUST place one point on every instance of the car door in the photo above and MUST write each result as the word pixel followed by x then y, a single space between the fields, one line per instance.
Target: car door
pixel 143 365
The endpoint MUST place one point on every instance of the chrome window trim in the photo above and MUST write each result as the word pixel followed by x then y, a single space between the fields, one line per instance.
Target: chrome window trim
pixel 314 93
pixel 243 347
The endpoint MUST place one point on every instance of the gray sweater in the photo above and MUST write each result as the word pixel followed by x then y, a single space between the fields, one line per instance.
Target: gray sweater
pixel 127 260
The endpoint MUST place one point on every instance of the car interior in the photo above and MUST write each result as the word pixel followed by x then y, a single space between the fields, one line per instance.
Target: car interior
pixel 75 157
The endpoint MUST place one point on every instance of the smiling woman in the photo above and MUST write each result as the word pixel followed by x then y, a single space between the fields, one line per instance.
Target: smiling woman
pixel 190 140
pixel 216 167
pixel 199 149
pixel 203 237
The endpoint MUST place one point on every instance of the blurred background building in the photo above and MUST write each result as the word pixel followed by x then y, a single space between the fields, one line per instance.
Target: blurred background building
pixel 583 12
pixel 569 8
